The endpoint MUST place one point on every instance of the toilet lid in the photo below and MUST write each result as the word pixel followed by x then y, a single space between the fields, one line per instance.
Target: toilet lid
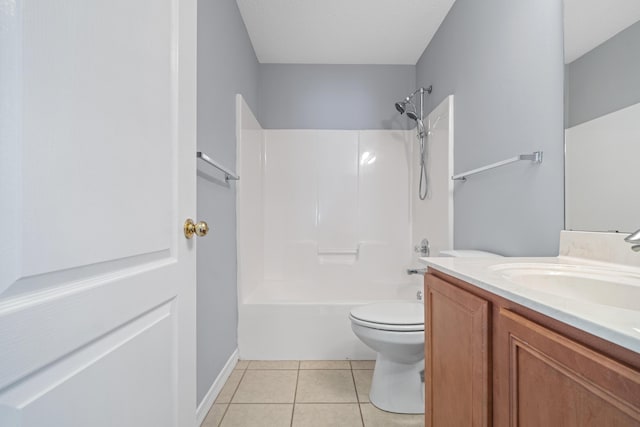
pixel 391 313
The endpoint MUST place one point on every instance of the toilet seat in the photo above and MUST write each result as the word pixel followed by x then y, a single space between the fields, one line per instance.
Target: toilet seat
pixel 390 316
pixel 419 327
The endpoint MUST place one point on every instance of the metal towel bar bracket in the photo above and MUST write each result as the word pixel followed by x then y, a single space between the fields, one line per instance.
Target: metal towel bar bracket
pixel 227 173
pixel 535 157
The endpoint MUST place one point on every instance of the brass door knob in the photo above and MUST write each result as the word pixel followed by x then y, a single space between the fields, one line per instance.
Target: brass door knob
pixel 190 228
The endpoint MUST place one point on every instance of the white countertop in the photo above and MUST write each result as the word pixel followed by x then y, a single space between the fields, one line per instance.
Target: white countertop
pixel 617 325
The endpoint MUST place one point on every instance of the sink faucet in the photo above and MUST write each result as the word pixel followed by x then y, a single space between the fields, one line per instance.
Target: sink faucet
pixel 634 239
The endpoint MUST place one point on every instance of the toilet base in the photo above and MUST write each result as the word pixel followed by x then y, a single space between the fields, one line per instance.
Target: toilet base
pixel 397 387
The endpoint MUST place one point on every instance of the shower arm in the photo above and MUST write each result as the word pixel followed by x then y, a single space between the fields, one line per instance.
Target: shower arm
pixel 422 90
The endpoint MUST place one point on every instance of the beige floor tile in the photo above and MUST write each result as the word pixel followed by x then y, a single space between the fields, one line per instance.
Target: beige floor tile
pixel 326 415
pixel 215 414
pixel 273 364
pixel 257 415
pixel 325 364
pixel 242 364
pixel 363 383
pixel 374 417
pixel 229 387
pixel 266 387
pixel 363 364
pixel 325 386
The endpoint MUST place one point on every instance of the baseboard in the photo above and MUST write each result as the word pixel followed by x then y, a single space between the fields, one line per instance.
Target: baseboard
pixel 210 397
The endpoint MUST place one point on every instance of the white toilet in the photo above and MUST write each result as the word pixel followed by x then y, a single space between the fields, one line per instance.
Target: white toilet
pixel 395 330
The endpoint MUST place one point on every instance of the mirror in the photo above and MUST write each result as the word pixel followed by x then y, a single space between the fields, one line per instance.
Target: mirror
pixel 602 115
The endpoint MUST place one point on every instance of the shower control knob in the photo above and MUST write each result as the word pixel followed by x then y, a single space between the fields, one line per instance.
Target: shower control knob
pixel 422 248
pixel 190 228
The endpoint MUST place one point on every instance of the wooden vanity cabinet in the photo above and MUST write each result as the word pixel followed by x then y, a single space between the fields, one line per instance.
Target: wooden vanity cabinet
pixel 555 381
pixel 456 356
pixel 490 361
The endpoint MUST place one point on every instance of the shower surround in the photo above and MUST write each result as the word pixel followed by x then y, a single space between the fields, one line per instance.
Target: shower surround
pixel 324 224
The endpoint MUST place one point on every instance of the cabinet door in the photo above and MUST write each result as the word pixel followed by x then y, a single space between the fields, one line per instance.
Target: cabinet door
pixel 456 356
pixel 550 380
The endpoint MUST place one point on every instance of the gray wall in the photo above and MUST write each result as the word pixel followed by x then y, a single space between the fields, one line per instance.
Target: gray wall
pixel 605 79
pixel 503 61
pixel 226 65
pixel 297 96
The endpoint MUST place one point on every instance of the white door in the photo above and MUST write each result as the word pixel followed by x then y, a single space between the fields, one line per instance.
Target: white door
pixel 97 176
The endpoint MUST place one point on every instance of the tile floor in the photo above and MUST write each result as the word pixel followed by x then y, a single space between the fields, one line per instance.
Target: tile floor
pixel 301 394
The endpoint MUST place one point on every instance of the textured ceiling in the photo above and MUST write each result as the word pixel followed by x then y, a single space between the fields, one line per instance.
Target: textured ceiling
pixel 589 23
pixel 342 31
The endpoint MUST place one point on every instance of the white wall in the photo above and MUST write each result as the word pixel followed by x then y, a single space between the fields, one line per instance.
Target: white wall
pixel 317 216
pixel 330 213
pixel 602 175
pixel 249 198
pixel 326 214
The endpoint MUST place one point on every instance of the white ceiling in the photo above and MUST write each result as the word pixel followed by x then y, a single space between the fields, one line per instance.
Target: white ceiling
pixel 589 23
pixel 342 31
pixel 396 31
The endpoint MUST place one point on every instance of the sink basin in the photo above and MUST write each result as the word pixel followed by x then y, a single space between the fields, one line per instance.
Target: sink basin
pixel 595 285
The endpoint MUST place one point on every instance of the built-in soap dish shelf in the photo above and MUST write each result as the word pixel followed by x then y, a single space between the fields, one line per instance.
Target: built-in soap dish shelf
pixel 338 255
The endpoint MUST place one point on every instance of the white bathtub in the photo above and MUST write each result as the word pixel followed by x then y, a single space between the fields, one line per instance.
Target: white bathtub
pixel 289 321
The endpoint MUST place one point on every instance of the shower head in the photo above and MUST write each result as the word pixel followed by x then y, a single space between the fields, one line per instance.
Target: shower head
pixel 412 112
pixel 412 115
pixel 408 107
pixel 401 106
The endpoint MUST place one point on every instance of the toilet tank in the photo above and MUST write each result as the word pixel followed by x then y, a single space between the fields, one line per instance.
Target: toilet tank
pixel 468 253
